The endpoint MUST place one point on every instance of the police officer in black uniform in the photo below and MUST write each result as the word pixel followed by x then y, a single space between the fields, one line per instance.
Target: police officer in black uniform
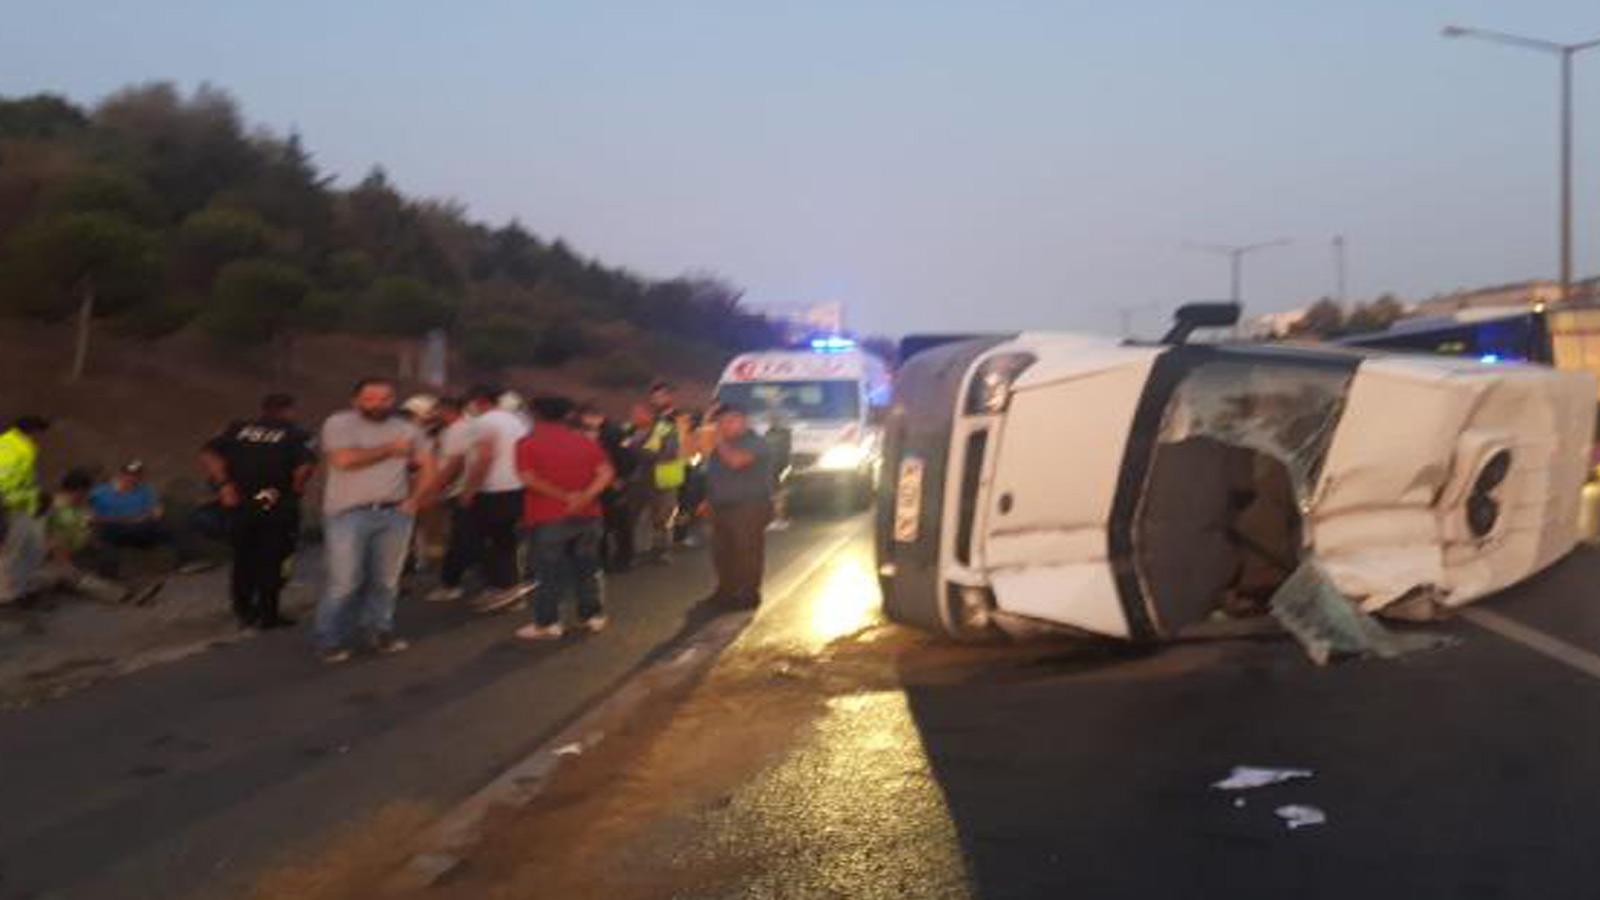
pixel 260 468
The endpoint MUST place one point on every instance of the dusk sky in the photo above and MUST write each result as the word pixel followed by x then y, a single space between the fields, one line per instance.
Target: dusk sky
pixel 932 165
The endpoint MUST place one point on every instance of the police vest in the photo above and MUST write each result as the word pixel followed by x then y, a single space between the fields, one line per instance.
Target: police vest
pixel 19 479
pixel 669 474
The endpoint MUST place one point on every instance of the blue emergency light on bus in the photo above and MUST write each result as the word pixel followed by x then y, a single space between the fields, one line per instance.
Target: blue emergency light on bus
pixel 832 344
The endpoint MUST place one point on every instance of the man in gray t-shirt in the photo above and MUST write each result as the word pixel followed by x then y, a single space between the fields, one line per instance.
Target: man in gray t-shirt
pixel 378 465
pixel 739 489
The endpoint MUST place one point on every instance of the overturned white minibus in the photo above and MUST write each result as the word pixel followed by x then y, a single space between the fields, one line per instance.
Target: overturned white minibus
pixel 1129 490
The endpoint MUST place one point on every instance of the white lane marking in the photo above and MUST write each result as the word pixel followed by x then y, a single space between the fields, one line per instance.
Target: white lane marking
pixel 1534 639
pixel 813 565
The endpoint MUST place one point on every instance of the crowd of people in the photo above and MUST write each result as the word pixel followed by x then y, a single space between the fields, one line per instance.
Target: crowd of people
pixel 525 504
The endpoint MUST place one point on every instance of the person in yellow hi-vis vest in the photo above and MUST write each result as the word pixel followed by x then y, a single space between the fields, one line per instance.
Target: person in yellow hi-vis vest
pixel 663 452
pixel 663 448
pixel 19 464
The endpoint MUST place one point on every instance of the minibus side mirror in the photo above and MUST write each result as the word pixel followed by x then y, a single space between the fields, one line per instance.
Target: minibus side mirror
pixel 1191 317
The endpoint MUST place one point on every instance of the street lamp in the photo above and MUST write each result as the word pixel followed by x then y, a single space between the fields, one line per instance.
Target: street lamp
pixel 1236 254
pixel 1566 52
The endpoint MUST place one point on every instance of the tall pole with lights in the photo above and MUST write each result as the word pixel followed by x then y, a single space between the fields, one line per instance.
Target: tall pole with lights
pixel 1566 52
pixel 1236 254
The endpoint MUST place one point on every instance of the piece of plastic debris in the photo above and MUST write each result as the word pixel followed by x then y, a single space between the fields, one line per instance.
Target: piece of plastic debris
pixel 1244 778
pixel 1297 816
pixel 572 749
pixel 1328 625
pixel 1238 803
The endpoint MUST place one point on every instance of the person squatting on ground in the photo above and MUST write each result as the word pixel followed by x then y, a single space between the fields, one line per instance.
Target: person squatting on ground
pixel 377 466
pixel 128 515
pixel 74 556
pixel 260 468
pixel 565 473
pixel 739 491
pixel 493 493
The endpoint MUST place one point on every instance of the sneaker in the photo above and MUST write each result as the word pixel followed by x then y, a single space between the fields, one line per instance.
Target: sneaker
pixel 335 656
pixel 443 594
pixel 389 644
pixel 540 632
pixel 596 624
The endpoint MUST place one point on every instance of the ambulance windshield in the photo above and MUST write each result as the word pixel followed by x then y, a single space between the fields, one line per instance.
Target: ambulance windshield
pixel 806 400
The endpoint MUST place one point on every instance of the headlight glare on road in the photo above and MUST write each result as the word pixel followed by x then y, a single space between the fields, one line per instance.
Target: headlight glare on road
pixel 842 457
pixel 990 390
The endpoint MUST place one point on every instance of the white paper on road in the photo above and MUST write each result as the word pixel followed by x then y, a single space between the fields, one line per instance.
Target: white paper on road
pixel 1298 816
pixel 572 749
pixel 1244 778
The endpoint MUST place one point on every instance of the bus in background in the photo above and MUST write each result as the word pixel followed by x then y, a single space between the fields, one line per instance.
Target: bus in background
pixel 1487 335
pixel 832 397
pixel 1563 337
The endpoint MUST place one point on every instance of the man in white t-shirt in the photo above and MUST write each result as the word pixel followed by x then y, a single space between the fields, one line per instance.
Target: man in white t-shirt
pixel 492 492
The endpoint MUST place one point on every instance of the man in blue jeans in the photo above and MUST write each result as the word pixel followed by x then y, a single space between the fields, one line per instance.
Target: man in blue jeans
pixel 565 473
pixel 377 466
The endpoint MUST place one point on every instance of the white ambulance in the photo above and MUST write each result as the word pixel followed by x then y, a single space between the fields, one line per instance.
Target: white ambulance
pixel 831 397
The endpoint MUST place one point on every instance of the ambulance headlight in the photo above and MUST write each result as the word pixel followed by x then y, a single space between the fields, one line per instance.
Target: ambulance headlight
pixel 842 457
pixel 990 389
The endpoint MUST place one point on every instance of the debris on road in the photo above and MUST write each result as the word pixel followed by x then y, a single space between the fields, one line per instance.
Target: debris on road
pixel 573 749
pixel 1328 625
pixel 1244 778
pixel 1297 816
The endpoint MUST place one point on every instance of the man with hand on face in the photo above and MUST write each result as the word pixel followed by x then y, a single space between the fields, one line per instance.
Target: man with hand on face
pixel 260 467
pixel 739 491
pixel 378 465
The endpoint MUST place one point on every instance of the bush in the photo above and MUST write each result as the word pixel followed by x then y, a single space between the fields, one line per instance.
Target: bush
pixel 159 318
pixel 618 369
pixel 254 300
pixel 558 342
pixel 324 311
pixel 400 304
pixel 498 342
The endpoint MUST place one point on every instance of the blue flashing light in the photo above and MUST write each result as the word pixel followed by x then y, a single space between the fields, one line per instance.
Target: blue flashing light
pixel 832 344
pixel 1489 358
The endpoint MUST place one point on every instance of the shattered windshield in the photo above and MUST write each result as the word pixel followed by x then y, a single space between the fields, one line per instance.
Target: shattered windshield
pixel 1220 521
pixel 1285 411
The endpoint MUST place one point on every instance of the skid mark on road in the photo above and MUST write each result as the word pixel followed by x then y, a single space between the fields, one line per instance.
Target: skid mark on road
pixel 1535 640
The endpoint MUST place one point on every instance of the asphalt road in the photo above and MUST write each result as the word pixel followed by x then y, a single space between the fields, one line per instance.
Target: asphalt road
pixel 917 769
pixel 186 779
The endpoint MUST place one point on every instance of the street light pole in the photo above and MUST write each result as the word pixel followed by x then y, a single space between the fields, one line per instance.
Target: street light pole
pixel 1236 254
pixel 1566 52
pixel 1339 268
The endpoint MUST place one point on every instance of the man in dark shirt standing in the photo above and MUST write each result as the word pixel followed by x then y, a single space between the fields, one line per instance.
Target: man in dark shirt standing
pixel 261 467
pixel 739 484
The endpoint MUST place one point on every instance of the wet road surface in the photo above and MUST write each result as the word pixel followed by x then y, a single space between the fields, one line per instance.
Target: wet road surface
pixel 832 756
pixel 186 779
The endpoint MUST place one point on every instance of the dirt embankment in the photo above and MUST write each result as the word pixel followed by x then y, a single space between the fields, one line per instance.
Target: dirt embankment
pixel 159 400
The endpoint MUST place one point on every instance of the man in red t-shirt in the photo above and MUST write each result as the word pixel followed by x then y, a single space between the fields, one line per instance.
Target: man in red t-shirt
pixel 565 473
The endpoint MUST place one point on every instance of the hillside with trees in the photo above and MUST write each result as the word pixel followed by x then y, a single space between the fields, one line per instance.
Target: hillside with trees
pixel 155 213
